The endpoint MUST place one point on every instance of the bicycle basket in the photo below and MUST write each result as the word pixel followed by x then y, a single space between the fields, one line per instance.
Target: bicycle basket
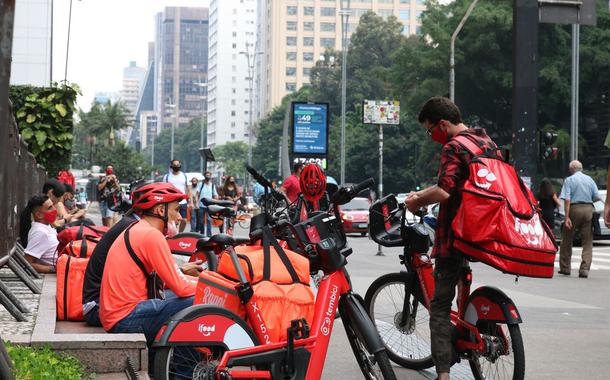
pixel 385 221
pixel 320 227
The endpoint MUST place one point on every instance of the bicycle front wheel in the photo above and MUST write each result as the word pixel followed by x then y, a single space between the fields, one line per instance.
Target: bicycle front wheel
pixel 402 320
pixel 504 356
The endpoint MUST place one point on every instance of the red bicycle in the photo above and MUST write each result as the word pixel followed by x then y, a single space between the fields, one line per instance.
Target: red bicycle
pixel 486 322
pixel 207 341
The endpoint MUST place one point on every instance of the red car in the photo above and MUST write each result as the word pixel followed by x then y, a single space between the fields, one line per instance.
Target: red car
pixel 355 215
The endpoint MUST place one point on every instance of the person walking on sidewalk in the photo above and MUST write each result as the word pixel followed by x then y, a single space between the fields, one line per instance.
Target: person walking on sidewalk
pixel 579 191
pixel 180 180
pixel 207 189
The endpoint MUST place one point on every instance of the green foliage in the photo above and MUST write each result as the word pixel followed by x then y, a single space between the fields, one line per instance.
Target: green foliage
pixel 128 164
pixel 44 364
pixel 187 142
pixel 104 118
pixel 44 116
pixel 232 156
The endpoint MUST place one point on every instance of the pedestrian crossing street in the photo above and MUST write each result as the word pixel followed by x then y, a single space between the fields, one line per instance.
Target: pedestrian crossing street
pixel 601 258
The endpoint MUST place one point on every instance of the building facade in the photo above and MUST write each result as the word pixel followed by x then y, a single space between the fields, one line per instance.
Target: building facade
pixel 231 51
pixel 294 34
pixel 31 52
pixel 133 77
pixel 181 65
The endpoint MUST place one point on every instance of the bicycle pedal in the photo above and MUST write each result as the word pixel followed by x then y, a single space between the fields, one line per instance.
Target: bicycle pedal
pixel 299 329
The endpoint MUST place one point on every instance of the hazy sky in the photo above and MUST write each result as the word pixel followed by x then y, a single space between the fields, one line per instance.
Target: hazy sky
pixel 105 35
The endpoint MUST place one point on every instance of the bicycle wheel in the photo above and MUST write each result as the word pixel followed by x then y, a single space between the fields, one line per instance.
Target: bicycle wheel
pixel 373 366
pixel 409 345
pixel 183 362
pixel 504 357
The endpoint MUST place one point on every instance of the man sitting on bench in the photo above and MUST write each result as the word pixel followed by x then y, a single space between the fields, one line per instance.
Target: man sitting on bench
pixel 37 233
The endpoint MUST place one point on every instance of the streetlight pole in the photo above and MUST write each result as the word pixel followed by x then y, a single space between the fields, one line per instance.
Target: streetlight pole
pixel 203 98
pixel 251 58
pixel 68 41
pixel 344 12
pixel 171 149
pixel 452 53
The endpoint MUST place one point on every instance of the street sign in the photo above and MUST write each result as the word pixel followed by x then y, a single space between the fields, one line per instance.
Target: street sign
pixel 581 12
pixel 309 129
pixel 381 112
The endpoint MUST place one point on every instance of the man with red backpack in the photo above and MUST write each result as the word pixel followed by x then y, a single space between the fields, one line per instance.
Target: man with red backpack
pixel 443 122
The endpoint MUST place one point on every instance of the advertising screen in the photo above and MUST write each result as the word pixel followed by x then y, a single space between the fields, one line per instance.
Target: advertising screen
pixel 309 128
pixel 381 112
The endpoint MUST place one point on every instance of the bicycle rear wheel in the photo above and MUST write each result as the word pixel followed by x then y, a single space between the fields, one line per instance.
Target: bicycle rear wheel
pixel 504 356
pixel 183 362
pixel 388 298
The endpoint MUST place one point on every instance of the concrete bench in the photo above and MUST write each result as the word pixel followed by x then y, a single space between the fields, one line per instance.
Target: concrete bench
pixel 99 351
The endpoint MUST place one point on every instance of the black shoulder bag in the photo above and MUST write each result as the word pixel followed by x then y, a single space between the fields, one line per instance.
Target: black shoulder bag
pixel 154 284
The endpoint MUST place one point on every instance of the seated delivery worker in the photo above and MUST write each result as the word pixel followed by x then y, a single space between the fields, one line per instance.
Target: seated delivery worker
pixel 124 303
pixel 97 262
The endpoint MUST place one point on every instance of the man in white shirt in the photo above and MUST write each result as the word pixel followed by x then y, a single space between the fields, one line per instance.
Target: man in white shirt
pixel 207 190
pixel 179 179
pixel 41 244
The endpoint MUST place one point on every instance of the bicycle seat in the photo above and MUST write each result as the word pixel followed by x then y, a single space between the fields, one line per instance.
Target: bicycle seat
pixel 217 202
pixel 220 211
pixel 225 240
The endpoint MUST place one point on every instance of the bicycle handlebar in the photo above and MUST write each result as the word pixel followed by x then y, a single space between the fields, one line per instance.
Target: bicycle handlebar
pixel 346 194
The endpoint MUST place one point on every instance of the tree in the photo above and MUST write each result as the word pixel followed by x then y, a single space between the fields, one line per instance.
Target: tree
pixel 104 119
pixel 232 156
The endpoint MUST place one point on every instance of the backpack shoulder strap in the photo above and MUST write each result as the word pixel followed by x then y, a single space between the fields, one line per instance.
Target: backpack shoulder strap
pixel 469 145
pixel 133 255
pixel 267 240
pixel 186 180
pixel 165 177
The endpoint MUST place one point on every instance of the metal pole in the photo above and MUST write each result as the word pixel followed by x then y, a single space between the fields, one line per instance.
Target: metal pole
pixel 379 250
pixel 250 89
pixel 201 137
pixel 344 22
pixel 575 82
pixel 51 48
pixel 279 158
pixel 152 154
pixel 452 53
pixel 68 42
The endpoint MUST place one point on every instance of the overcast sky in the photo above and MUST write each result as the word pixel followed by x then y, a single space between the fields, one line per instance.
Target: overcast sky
pixel 105 36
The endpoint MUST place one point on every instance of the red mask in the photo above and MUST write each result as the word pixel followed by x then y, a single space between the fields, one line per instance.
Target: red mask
pixel 439 135
pixel 109 171
pixel 50 216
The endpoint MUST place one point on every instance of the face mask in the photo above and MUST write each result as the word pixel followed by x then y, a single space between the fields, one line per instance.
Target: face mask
pixel 109 171
pixel 207 178
pixel 69 203
pixel 439 135
pixel 50 216
pixel 172 229
pixel 194 184
pixel 176 168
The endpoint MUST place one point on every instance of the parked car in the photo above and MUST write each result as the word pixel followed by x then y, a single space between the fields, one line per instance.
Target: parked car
pixel 600 231
pixel 355 215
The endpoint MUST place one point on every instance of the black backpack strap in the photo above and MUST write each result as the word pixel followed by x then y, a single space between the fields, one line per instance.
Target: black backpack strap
pixel 79 234
pixel 269 239
pixel 133 255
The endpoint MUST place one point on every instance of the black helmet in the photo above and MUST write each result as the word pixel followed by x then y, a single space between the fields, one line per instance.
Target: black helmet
pixel 385 221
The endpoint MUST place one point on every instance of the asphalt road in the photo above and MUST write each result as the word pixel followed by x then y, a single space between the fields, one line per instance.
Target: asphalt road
pixel 566 320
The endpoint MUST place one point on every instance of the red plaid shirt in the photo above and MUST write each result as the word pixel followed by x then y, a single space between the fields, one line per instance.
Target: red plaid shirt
pixel 452 173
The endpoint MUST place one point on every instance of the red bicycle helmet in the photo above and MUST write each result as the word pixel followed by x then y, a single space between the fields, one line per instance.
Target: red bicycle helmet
pixel 149 196
pixel 313 182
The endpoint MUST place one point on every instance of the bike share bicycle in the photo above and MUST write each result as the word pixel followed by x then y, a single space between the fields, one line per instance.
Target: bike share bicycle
pixel 222 345
pixel 486 322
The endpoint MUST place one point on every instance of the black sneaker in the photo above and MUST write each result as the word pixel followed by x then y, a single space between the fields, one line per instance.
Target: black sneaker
pixel 564 273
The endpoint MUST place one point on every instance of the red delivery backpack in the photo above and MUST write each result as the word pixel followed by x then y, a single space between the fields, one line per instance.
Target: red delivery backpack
pixel 70 279
pixel 498 221
pixel 80 248
pixel 69 234
pixel 279 277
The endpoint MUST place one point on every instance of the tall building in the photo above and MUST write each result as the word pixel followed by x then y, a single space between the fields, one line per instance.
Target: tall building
pixel 232 45
pixel 294 34
pixel 133 76
pixel 31 52
pixel 181 65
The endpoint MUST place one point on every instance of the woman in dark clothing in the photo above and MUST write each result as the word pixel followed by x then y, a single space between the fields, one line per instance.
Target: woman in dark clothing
pixel 548 201
pixel 230 190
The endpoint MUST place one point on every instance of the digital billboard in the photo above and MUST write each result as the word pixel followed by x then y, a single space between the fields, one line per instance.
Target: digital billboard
pixel 309 129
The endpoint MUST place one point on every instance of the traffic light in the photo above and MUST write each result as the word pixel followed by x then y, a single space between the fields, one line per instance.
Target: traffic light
pixel 547 150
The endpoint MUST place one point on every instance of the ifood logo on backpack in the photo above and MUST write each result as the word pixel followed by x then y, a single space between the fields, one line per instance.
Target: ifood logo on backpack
pixel 531 230
pixel 485 178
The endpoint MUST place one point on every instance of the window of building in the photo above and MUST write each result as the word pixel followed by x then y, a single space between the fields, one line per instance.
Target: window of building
pixel 308 11
pixel 232 124
pixel 308 57
pixel 308 26
pixel 291 71
pixel 420 2
pixel 234 90
pixel 385 13
pixel 405 30
pixel 418 30
pixel 291 25
pixel 291 56
pixel 404 14
pixel 306 71
pixel 291 41
pixel 291 10
pixel 233 113
pixel 232 136
pixel 307 41
pixel 327 26
pixel 385 1
pixel 327 42
pixel 418 15
pixel 233 102
pixel 234 46
pixel 324 11
pixel 234 68
pixel 234 34
pixel 291 86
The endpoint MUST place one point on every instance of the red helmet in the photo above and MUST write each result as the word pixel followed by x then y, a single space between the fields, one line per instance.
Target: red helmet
pixel 149 196
pixel 313 182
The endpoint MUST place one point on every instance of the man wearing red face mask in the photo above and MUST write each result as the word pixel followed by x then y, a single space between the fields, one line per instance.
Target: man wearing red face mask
pixel 109 189
pixel 442 120
pixel 37 233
